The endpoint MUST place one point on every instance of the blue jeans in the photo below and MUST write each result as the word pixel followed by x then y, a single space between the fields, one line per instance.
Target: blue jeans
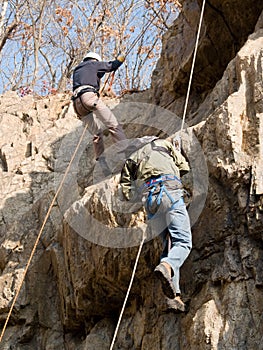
pixel 172 220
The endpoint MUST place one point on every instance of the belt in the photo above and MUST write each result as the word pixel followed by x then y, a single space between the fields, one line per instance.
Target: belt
pixel 156 180
pixel 82 89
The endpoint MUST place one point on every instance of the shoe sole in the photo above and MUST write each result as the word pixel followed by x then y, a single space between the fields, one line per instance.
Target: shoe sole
pixel 167 285
pixel 174 311
pixel 176 308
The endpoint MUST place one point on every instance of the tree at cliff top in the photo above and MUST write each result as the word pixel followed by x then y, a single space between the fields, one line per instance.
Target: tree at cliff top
pixel 41 42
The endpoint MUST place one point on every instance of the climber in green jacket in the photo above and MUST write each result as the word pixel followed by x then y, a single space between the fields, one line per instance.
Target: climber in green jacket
pixel 154 171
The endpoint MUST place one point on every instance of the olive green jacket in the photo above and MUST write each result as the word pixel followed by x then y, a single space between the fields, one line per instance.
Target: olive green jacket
pixel 152 160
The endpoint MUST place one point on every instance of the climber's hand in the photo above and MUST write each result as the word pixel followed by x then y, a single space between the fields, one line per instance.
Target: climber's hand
pixel 121 58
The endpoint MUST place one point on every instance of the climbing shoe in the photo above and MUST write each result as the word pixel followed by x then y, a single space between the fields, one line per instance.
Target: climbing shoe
pixel 176 305
pixel 163 273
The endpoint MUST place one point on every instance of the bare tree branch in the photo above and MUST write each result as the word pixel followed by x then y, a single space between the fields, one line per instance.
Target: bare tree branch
pixel 50 37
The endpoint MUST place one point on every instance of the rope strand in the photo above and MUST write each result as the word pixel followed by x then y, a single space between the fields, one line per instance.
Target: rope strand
pixel 40 233
pixel 128 291
pixel 143 239
pixel 193 64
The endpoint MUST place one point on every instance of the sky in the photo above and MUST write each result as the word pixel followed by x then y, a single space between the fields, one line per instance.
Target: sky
pixel 68 29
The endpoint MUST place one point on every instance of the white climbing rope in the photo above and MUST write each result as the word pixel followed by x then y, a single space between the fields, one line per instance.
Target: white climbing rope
pixel 40 233
pixel 189 88
pixel 182 126
pixel 193 64
pixel 128 291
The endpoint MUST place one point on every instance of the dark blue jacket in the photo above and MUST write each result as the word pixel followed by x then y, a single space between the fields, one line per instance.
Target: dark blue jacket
pixel 90 72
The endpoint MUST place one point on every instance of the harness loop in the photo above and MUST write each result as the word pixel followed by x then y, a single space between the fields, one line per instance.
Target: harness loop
pixel 163 189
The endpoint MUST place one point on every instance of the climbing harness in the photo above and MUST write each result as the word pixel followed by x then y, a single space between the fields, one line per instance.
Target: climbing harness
pixel 41 231
pixel 182 126
pixel 158 184
pixel 177 139
pixel 82 89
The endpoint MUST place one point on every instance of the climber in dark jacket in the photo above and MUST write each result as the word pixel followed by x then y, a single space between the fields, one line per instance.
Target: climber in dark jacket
pixel 86 85
pixel 154 170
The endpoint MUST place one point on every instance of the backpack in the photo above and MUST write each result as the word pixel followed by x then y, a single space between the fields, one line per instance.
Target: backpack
pixel 134 166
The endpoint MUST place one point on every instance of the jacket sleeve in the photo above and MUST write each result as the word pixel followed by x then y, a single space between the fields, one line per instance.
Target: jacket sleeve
pixel 128 177
pixel 111 66
pixel 182 164
pixel 180 161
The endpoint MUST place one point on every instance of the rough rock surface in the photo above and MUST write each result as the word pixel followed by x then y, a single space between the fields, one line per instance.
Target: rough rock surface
pixel 76 283
pixel 225 28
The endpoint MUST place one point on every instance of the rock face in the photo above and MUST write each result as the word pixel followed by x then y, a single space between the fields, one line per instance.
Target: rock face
pixel 225 28
pixel 76 283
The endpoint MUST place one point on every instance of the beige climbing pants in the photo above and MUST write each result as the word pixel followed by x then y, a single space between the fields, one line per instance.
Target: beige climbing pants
pixel 91 110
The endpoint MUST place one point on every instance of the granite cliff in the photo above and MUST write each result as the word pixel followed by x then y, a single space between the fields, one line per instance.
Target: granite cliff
pixel 74 289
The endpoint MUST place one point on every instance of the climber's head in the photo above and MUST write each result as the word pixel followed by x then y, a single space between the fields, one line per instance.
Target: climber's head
pixel 92 56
